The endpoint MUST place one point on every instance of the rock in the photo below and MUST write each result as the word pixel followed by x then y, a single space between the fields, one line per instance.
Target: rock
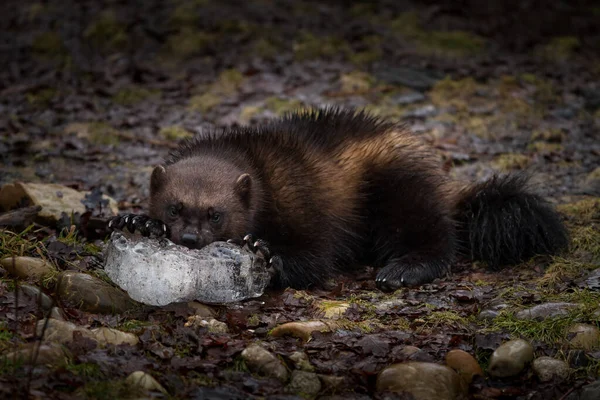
pixel 421 112
pixel 591 281
pixel 408 98
pixel 548 368
pixel 301 362
pixel 332 383
pixel 47 354
pixel 424 381
pixel 492 310
pixel 510 358
pixel 333 309
pixel 201 310
pixel 463 363
pixel 88 293
pixel 27 267
pixel 61 332
pixel 36 293
pixel 264 362
pixel 584 336
pixel 591 391
pixel 54 199
pixel 145 381
pixel 106 335
pixel 488 315
pixel 303 329
pixel 388 305
pixel 305 383
pixel 160 272
pixel 213 325
pixel 409 351
pixel 578 359
pixel 546 310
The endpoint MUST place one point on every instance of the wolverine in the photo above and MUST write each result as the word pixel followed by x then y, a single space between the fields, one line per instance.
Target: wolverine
pixel 328 189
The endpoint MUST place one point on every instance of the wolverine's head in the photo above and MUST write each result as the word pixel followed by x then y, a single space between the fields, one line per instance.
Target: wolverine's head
pixel 202 200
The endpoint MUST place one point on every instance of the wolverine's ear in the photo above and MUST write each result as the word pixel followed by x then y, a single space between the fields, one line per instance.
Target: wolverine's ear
pixel 243 184
pixel 158 178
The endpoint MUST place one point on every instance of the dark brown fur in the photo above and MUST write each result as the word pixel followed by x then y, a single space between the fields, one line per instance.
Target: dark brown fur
pixel 325 189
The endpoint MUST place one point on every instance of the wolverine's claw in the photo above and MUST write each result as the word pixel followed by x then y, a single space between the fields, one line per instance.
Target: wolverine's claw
pixel 142 224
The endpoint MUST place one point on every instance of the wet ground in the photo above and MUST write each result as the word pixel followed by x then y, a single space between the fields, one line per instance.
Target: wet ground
pixel 95 93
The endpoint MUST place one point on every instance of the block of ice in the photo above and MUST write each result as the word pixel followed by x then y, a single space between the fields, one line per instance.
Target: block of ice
pixel 159 272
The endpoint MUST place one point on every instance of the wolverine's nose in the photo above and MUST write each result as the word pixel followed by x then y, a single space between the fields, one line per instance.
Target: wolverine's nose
pixel 189 239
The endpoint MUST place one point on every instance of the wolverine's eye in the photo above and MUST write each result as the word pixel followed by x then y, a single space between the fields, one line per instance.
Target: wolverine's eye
pixel 173 211
pixel 215 218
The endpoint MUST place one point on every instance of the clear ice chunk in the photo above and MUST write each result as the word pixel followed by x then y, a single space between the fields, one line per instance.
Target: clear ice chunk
pixel 159 272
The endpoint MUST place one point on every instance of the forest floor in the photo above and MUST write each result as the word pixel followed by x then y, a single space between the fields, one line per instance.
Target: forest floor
pixel 93 94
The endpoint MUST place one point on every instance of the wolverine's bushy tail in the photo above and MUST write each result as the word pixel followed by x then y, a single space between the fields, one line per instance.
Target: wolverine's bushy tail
pixel 502 223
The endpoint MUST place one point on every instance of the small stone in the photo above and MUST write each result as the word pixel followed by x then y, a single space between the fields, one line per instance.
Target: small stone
pixel 578 359
pixel 510 358
pixel 47 354
pixel 548 368
pixel 145 381
pixel 591 391
pixel 546 310
pixel 58 331
pixel 424 381
pixel 332 382
pixel 88 293
pixel 488 315
pixel 303 329
pixel 54 199
pixel 333 309
pixel 463 363
pixel 584 336
pixel 300 360
pixel 201 310
pixel 106 335
pixel 27 267
pixel 264 362
pixel 389 305
pixel 36 293
pixel 303 382
pixel 408 98
pixel 421 112
pixel 213 325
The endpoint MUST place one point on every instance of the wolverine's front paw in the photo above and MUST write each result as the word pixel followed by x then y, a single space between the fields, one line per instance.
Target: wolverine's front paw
pixel 142 224
pixel 262 250
pixel 398 273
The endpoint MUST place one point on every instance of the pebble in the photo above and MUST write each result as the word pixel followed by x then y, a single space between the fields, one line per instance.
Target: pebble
pixel 463 363
pixel 27 267
pixel 304 382
pixel 303 329
pixel 591 391
pixel 201 310
pixel 424 381
pixel 264 362
pixel 91 294
pixel 145 381
pixel 47 354
pixel 546 310
pixel 510 358
pixel 36 293
pixel 301 362
pixel 213 325
pixel 61 332
pixel 548 368
pixel 584 336
pixel 388 305
pixel 54 199
pixel 333 309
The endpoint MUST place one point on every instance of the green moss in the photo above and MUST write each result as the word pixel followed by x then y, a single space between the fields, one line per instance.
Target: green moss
pixel 356 82
pixel 226 85
pixel 511 161
pixel 106 32
pixel 308 47
pixel 281 106
pixel 594 175
pixel 85 370
pixel 559 48
pixel 453 92
pixel 264 48
pixel 583 210
pixel 174 132
pixel 6 338
pixel 131 95
pixel 552 135
pixel 446 43
pixel 48 45
pixel 189 42
pixel 133 325
pixel 187 13
pixel 102 134
pixel 563 270
pixel 41 97
pixel 371 51
pixel 544 147
pixel 109 390
pixel 253 320
pixel 586 239
pixel 437 319
pixel 17 244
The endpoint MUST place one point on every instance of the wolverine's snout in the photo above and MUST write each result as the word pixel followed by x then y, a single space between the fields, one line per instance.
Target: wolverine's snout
pixel 189 240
